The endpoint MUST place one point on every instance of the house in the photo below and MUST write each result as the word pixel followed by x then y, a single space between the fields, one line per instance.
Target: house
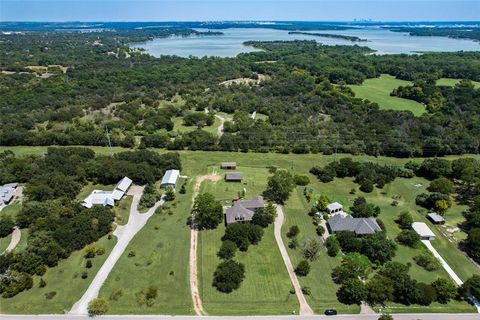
pixel 243 210
pixel 335 208
pixel 228 165
pixel 7 192
pixel 170 178
pixel 435 218
pixel 423 231
pixel 360 226
pixel 107 198
pixel 233 176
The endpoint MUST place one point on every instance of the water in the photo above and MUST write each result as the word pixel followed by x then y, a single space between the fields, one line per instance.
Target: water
pixel 231 42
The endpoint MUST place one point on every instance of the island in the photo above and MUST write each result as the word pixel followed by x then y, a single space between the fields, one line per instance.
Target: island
pixel 329 35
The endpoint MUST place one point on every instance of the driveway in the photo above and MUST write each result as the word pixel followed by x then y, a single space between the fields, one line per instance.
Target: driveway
pixel 304 307
pixel 16 236
pixel 124 234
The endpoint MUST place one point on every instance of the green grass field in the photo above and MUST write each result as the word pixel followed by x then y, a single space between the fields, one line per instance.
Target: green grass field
pixel 122 209
pixel 179 127
pixel 266 287
pixel 64 279
pixel 11 210
pixel 4 242
pixel 378 90
pixel 451 82
pixel 161 260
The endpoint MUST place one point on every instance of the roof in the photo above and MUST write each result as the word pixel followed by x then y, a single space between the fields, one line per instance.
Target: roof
pixel 334 206
pixel 255 203
pixel 117 194
pixel 7 192
pixel 124 184
pixel 170 177
pixel 233 176
pixel 422 229
pixel 436 217
pixel 244 210
pixel 99 197
pixel 229 164
pixel 358 225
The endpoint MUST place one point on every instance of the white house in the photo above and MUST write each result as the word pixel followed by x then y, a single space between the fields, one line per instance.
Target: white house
pixel 170 178
pixel 7 193
pixel 107 198
pixel 423 231
pixel 335 208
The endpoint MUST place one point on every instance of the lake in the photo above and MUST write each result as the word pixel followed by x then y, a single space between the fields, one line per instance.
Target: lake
pixel 231 42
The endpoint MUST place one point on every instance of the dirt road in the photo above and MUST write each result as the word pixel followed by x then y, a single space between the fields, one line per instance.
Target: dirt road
pixel 16 236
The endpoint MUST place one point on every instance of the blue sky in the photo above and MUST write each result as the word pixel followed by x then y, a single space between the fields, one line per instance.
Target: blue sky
pixel 195 10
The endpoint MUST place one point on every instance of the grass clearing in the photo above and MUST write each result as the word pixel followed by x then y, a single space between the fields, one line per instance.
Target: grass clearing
pixel 449 82
pixel 11 210
pixel 65 280
pixel 378 90
pixel 4 242
pixel 122 210
pixel 178 126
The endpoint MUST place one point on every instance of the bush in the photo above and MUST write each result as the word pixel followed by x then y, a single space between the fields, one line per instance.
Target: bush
pixel 311 248
pixel 117 294
pixel 293 232
pixel 441 185
pixel 42 283
pixel 50 295
pixel 88 264
pixel 404 220
pixel 408 238
pixel 150 196
pixel 426 294
pixel 320 230
pixel 301 180
pixel 228 276
pixel 306 290
pixel 445 290
pixel 169 194
pixel 227 250
pixel 303 268
pixel 90 251
pixel 84 275
pixel 183 189
pixel 427 261
pixel 97 306
pixel 100 251
pixel 333 246
pixel 131 254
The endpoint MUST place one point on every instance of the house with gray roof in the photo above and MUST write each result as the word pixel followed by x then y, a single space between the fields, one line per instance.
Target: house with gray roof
pixel 233 177
pixel 243 210
pixel 359 226
pixel 7 193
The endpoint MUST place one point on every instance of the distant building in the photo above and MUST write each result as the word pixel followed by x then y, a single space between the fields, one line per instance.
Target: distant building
pixel 233 176
pixel 107 198
pixel 243 210
pixel 170 178
pixel 228 165
pixel 335 208
pixel 360 226
pixel 436 218
pixel 7 192
pixel 423 231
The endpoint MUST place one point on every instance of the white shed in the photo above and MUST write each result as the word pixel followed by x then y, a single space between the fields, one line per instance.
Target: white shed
pixel 170 178
pixel 423 231
pixel 335 208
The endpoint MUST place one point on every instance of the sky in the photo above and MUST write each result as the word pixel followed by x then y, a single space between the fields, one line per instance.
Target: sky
pixel 204 10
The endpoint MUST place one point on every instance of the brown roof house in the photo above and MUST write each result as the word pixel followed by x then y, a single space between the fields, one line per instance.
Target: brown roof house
pixel 233 177
pixel 243 210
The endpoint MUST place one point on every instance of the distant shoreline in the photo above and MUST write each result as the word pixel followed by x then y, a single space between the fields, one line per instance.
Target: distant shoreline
pixel 329 35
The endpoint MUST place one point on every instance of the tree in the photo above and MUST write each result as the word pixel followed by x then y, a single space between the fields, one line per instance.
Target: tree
pixel 243 234
pixel 207 212
pixel 380 290
pixel 303 268
pixel 279 186
pixel 293 232
pixel 227 250
pixel 442 185
pixel 353 291
pixel 228 276
pixel 320 230
pixel 427 294
pixel 169 194
pixel 377 247
pixel 442 206
pixel 322 202
pixel 427 261
pixel 333 246
pixel 404 220
pixel 385 317
pixel 362 209
pixel 265 216
pixel 301 180
pixel 6 226
pixel 311 248
pixel 471 287
pixel 409 238
pixel 88 264
pixel 354 265
pixel 445 290
pixel 472 243
pixel 97 306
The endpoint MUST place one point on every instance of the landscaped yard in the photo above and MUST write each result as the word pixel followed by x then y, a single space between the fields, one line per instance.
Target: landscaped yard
pixel 378 90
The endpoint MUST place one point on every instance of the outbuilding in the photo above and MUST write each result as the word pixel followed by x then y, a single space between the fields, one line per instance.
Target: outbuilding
pixel 233 176
pixel 170 178
pixel 435 218
pixel 335 208
pixel 423 231
pixel 228 165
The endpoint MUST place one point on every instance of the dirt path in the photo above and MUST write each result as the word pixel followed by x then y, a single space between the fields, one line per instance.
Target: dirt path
pixel 124 235
pixel 305 309
pixel 220 127
pixel 197 300
pixel 16 236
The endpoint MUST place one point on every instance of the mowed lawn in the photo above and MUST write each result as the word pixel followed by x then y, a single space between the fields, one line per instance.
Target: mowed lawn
pixel 452 82
pixel 266 288
pixel 161 254
pixel 180 127
pixel 64 282
pixel 378 90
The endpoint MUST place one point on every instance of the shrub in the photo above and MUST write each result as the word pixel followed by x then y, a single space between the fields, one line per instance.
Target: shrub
pixel 306 290
pixel 90 251
pixel 42 283
pixel 183 189
pixel 311 248
pixel 228 276
pixel 227 250
pixel 97 306
pixel 100 251
pixel 333 246
pixel 117 294
pixel 50 295
pixel 301 180
pixel 303 268
pixel 427 261
pixel 445 290
pixel 426 294
pixel 320 230
pixel 169 194
pixel 404 220
pixel 293 232
pixel 84 275
pixel 131 254
pixel 408 238
pixel 88 264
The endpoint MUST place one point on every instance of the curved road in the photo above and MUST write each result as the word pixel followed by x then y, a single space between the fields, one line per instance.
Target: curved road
pixel 304 307
pixel 16 236
pixel 124 234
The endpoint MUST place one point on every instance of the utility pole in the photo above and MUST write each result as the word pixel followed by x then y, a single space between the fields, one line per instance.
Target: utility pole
pixel 109 142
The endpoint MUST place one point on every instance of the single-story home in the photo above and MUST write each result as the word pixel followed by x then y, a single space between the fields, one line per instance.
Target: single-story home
pixel 435 218
pixel 7 192
pixel 423 231
pixel 243 210
pixel 170 178
pixel 107 198
pixel 233 176
pixel 335 208
pixel 228 165
pixel 360 226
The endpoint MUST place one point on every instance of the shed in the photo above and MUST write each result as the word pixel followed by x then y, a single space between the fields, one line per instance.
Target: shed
pixel 233 176
pixel 229 165
pixel 124 184
pixel 436 218
pixel 423 231
pixel 170 178
pixel 335 208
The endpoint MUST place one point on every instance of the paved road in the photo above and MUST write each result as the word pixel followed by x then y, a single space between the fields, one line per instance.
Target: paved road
pixel 304 307
pixel 16 236
pixel 124 234
pixel 420 316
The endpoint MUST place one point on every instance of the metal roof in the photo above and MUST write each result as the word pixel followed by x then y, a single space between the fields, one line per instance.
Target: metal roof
pixel 229 164
pixel 422 229
pixel 334 206
pixel 170 177
pixel 233 176
pixel 124 184
pixel 436 217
